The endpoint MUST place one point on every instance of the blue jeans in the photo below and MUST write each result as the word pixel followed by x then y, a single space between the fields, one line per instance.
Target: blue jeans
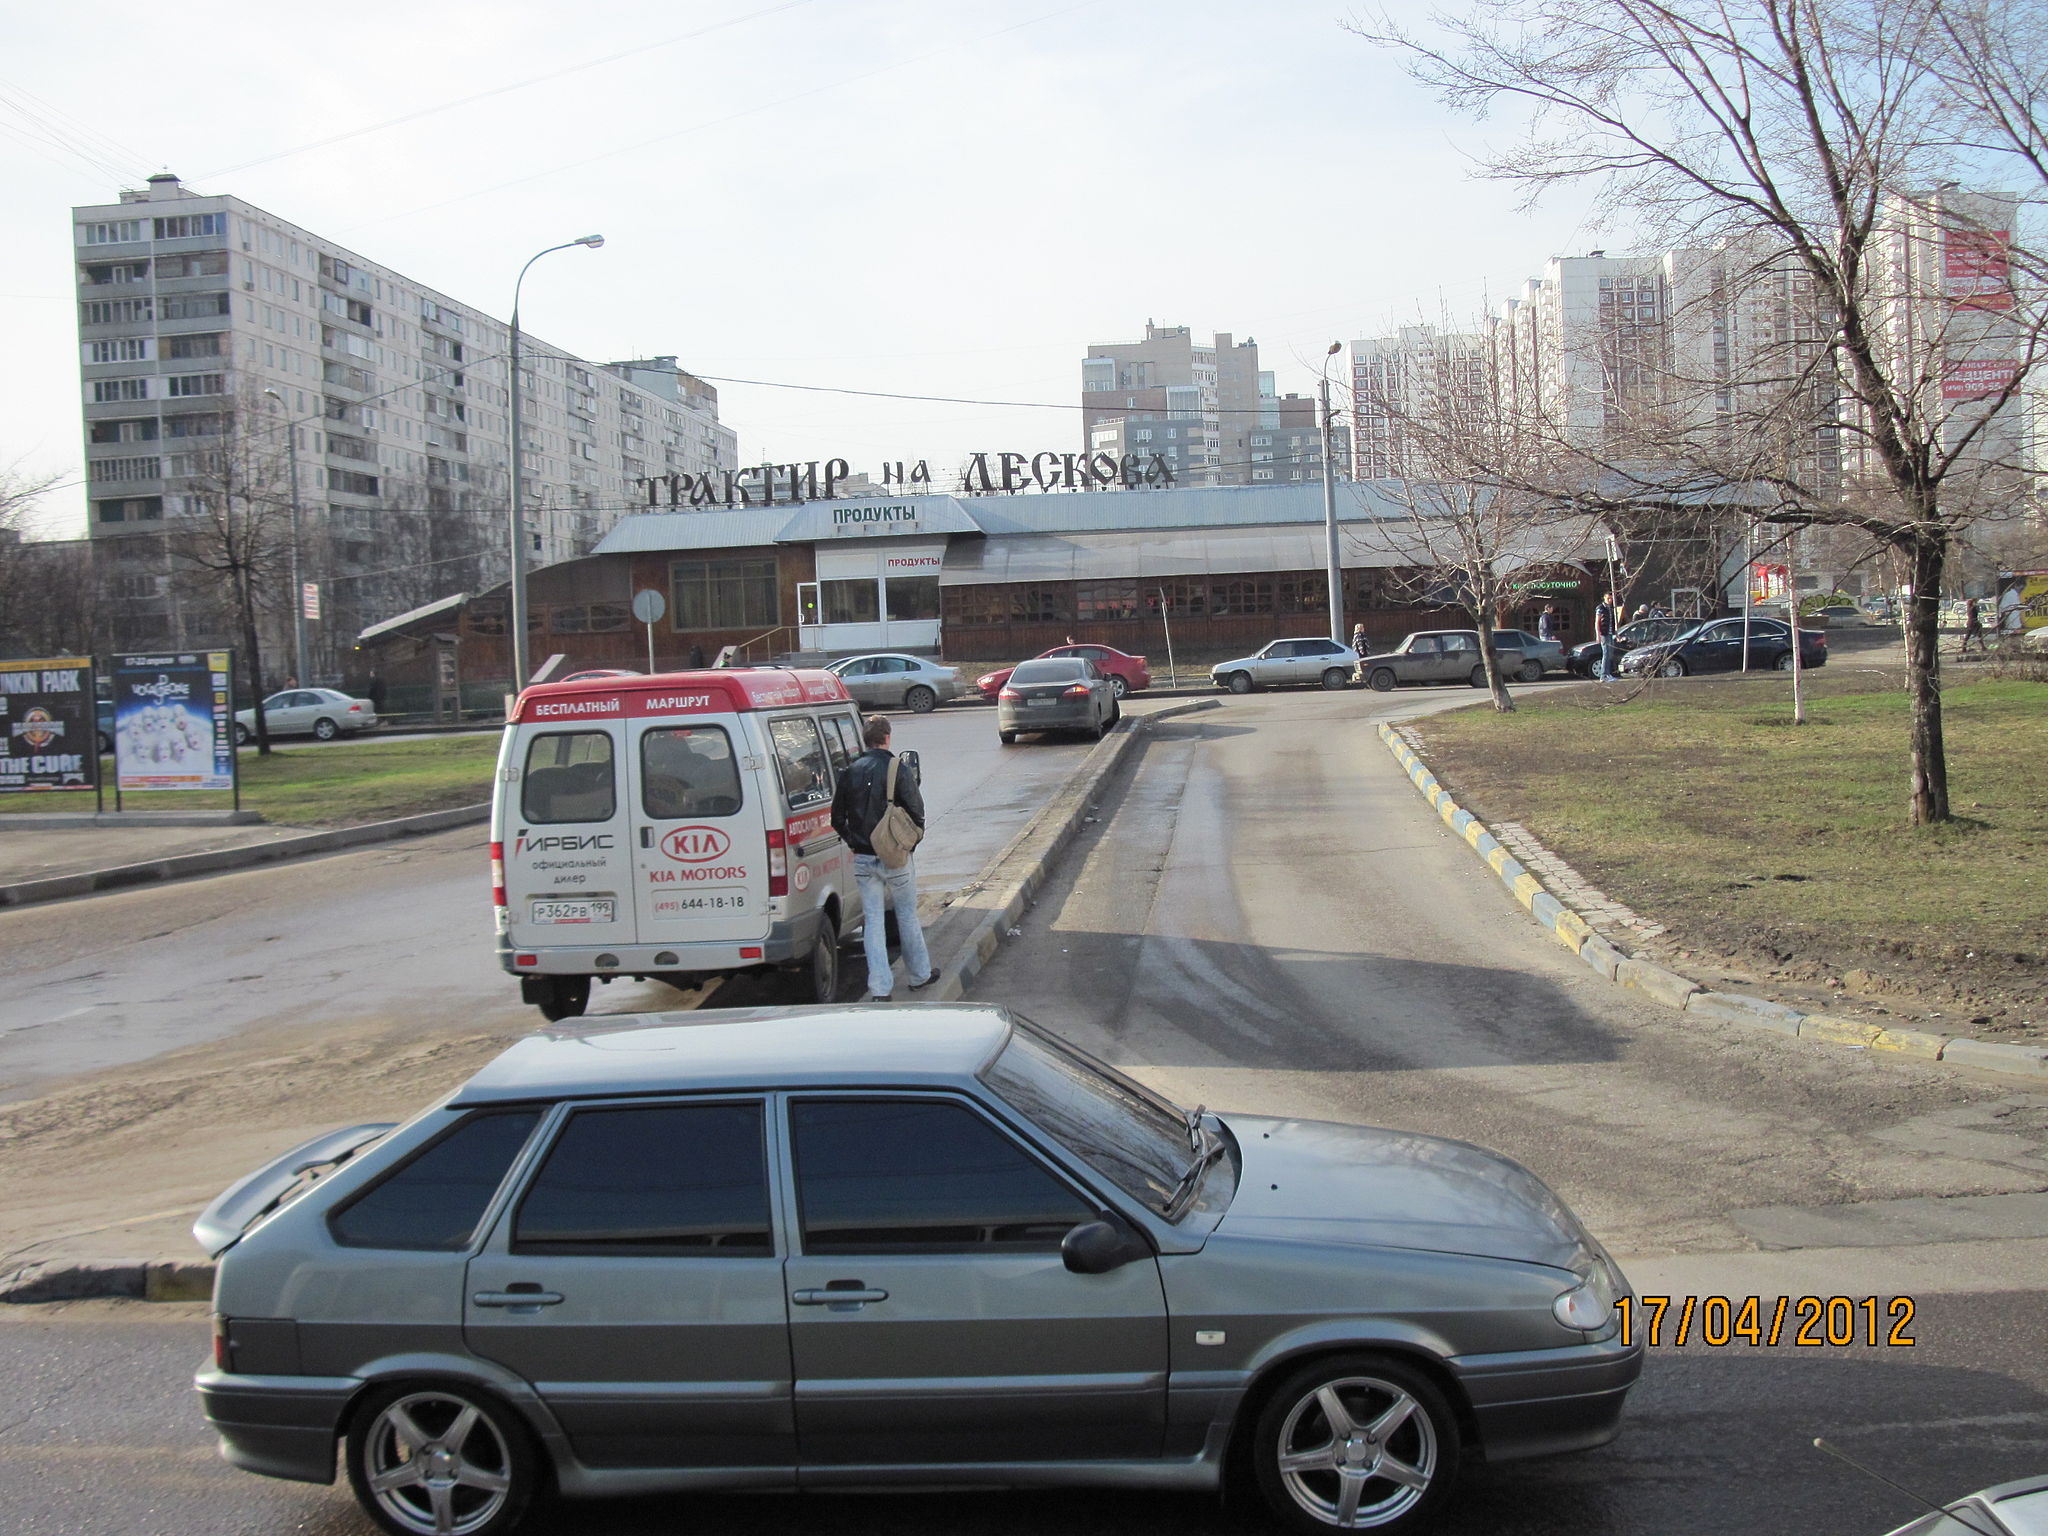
pixel 1610 661
pixel 882 887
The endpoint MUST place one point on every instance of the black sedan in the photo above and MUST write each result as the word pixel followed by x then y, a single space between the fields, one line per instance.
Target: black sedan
pixel 1584 660
pixel 1716 646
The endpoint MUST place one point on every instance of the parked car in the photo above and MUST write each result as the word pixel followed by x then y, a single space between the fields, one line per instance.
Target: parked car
pixel 591 674
pixel 103 723
pixel 2008 1509
pixel 1842 616
pixel 1311 662
pixel 1537 655
pixel 926 1244
pixel 321 712
pixel 1064 693
pixel 1435 656
pixel 1584 660
pixel 1127 674
pixel 892 680
pixel 1716 646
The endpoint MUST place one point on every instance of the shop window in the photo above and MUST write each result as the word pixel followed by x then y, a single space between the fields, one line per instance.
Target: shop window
pixel 913 597
pixel 724 594
pixel 1245 595
pixel 590 619
pixel 1098 600
pixel 853 601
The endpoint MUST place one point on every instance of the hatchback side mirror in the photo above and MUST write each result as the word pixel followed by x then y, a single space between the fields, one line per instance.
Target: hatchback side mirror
pixel 1097 1247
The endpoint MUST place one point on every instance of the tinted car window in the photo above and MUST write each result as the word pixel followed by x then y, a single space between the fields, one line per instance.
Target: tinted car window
pixel 1135 1140
pixel 434 1199
pixel 921 1176
pixel 800 759
pixel 568 777
pixel 1059 671
pixel 666 1178
pixel 688 770
pixel 842 739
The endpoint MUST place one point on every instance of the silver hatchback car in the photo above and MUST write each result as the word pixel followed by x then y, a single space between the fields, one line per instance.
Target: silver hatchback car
pixel 849 1247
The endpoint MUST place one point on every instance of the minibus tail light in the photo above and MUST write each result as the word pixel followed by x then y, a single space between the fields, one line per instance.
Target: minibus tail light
pixel 778 862
pixel 498 876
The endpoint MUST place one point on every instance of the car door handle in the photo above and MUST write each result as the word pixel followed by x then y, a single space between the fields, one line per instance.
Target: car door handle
pixel 517 1298
pixel 848 1298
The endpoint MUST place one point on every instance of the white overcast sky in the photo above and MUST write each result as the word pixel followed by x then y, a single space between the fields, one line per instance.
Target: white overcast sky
pixel 945 197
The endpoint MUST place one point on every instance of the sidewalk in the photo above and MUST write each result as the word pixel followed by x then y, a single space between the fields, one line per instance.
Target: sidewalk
pixel 37 853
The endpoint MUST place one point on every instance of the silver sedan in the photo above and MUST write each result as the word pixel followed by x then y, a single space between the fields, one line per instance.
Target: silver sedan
pixel 322 712
pixel 893 680
pixel 931 1244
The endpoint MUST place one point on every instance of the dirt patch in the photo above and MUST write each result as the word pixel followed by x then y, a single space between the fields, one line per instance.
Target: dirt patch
pixel 1777 857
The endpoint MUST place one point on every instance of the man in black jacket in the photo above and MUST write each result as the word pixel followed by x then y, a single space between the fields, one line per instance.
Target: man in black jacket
pixel 857 809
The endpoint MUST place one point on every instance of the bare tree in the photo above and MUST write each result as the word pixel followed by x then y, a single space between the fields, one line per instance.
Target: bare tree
pixel 1486 490
pixel 233 535
pixel 1817 130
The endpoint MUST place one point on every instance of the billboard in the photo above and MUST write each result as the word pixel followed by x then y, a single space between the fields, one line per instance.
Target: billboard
pixel 47 725
pixel 174 721
pixel 1978 378
pixel 1977 269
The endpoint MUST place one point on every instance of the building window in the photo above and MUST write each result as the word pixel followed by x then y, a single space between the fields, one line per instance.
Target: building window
pixel 189 306
pixel 125 469
pixel 204 425
pixel 1098 600
pixel 725 594
pixel 113 232
pixel 350 481
pixel 114 312
pixel 190 225
pixel 133 429
pixel 196 264
pixel 854 601
pixel 197 384
pixel 913 597
pixel 119 389
pixel 123 349
pixel 207 344
pixel 135 509
pixel 590 619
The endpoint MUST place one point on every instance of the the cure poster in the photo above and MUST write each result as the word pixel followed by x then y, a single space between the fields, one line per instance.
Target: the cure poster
pixel 174 722
pixel 47 726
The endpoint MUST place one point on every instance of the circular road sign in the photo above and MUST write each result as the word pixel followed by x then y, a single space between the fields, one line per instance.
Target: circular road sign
pixel 649 605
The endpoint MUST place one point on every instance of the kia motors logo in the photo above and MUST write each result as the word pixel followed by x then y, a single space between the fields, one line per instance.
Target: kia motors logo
pixel 695 845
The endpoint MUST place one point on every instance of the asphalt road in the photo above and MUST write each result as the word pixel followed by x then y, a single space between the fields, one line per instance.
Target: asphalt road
pixel 1267 918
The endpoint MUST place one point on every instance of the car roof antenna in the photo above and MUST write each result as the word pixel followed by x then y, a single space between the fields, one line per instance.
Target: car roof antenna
pixel 1966 1518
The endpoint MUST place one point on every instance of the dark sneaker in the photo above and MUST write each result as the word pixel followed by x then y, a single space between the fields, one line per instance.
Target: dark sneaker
pixel 881 998
pixel 919 986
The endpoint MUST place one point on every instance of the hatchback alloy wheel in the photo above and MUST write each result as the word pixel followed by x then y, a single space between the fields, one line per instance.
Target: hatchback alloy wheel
pixel 1119 684
pixel 1357 1444
pixel 440 1461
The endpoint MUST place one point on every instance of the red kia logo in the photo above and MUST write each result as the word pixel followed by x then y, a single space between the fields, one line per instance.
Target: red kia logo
pixel 695 845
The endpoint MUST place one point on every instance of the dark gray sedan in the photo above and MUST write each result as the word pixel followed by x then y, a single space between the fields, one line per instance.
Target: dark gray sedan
pixel 858 1247
pixel 1059 693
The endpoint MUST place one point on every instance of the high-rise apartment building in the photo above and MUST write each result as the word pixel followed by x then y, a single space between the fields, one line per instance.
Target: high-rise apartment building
pixel 1195 405
pixel 204 319
pixel 1418 372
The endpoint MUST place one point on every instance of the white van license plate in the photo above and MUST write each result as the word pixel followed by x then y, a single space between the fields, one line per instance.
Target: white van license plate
pixel 589 910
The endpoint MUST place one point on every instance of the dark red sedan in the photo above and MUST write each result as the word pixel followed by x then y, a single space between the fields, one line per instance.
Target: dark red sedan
pixel 1126 673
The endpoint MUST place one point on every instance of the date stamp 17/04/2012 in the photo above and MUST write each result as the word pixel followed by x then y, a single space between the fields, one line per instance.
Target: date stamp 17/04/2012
pixel 1808 1322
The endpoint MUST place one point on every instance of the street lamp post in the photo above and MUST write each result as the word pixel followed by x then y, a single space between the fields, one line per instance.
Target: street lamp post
pixel 291 443
pixel 516 514
pixel 1336 573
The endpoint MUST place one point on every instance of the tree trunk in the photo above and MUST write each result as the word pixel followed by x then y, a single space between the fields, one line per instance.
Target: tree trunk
pixel 1927 549
pixel 245 601
pixel 1495 683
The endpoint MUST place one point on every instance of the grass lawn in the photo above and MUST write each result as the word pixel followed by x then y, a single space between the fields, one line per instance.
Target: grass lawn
pixel 334 786
pixel 1702 806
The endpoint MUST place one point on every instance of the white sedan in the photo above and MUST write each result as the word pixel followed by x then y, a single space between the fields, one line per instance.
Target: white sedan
pixel 321 712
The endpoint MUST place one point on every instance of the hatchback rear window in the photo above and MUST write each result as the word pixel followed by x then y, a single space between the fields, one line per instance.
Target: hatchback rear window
pixel 434 1199
pixel 568 777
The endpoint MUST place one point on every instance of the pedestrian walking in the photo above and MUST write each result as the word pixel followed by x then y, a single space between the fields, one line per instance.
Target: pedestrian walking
pixel 376 694
pixel 2012 616
pixel 870 786
pixel 1546 622
pixel 696 657
pixel 1359 644
pixel 1973 629
pixel 1606 620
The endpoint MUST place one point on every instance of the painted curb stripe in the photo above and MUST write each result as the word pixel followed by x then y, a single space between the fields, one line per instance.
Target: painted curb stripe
pixel 1575 934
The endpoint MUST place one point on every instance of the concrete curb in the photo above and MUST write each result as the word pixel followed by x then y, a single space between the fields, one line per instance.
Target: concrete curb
pixel 1682 992
pixel 975 925
pixel 186 865
pixel 963 936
